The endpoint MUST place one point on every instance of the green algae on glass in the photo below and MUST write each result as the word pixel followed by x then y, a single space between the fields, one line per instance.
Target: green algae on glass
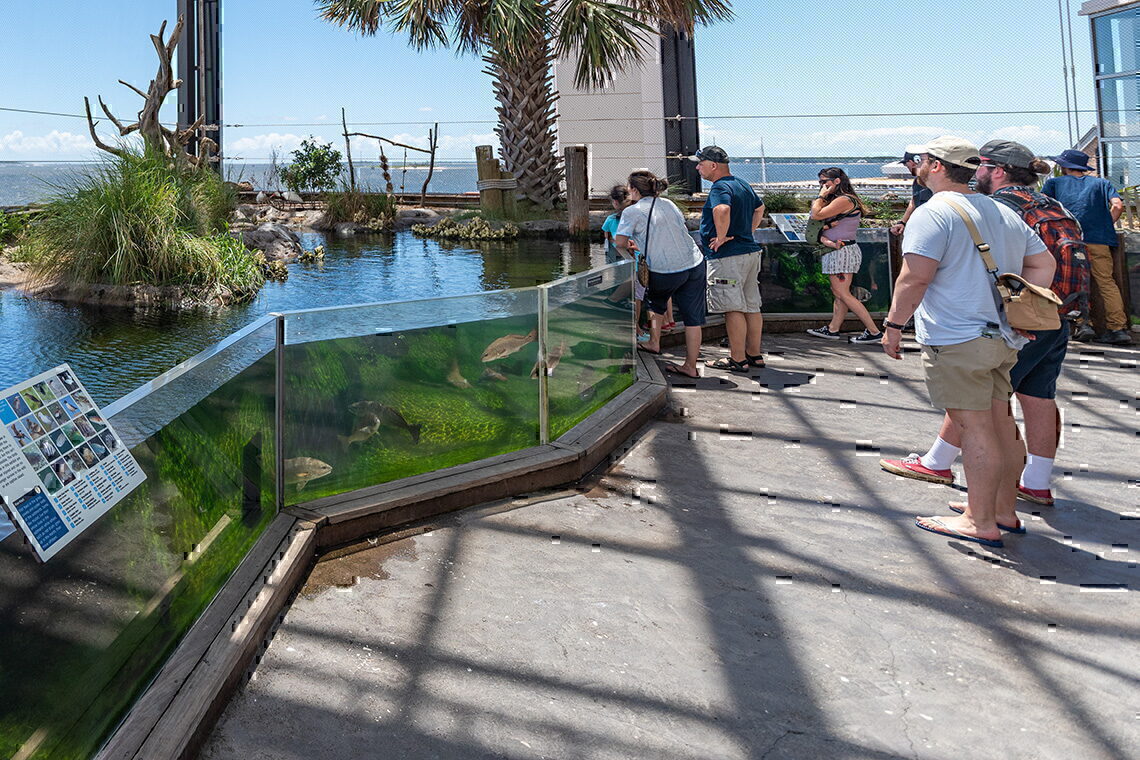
pixel 92 627
pixel 792 280
pixel 434 380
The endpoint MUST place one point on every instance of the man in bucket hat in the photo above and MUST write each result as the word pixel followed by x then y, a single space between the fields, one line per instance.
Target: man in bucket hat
pixel 968 346
pixel 1096 205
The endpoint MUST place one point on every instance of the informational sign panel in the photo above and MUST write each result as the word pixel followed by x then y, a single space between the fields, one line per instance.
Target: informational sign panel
pixel 61 465
pixel 792 225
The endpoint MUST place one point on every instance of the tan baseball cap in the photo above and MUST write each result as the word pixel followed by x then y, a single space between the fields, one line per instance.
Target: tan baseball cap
pixel 952 150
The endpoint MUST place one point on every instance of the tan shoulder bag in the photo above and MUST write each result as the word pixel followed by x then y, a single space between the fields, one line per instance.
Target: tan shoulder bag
pixel 1027 306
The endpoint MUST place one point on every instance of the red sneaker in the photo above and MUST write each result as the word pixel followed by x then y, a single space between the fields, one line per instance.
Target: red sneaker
pixel 1037 496
pixel 912 467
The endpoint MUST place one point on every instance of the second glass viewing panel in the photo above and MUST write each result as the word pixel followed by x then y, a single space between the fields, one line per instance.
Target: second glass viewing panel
pixel 385 391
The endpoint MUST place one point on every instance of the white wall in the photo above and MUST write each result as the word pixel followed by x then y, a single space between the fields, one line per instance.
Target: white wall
pixel 621 125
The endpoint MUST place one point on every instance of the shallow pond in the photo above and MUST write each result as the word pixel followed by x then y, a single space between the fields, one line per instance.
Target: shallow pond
pixel 116 350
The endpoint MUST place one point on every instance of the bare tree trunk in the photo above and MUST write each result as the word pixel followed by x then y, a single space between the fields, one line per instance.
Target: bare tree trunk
pixel 348 151
pixel 524 86
pixel 433 143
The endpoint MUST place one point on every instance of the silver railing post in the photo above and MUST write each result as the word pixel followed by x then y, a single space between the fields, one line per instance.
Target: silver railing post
pixel 279 413
pixel 543 388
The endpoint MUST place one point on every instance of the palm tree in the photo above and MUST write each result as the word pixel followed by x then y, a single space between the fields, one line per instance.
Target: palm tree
pixel 519 40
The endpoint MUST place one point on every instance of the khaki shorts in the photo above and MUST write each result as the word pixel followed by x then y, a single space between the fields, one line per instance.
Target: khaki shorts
pixel 734 283
pixel 969 375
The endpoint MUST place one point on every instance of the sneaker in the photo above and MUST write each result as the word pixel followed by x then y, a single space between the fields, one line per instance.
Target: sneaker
pixel 1114 338
pixel 824 332
pixel 1084 333
pixel 912 467
pixel 866 337
pixel 1035 495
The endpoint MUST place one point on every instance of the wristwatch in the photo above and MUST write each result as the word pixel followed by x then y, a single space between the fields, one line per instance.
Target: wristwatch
pixel 892 325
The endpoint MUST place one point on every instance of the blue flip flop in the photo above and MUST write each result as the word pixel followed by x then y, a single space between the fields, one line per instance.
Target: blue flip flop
pixel 943 529
pixel 1020 529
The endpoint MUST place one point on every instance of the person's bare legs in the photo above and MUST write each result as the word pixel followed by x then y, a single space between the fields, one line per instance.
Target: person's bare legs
pixel 692 350
pixel 754 333
pixel 736 325
pixel 984 463
pixel 846 301
pixel 654 342
pixel 1012 461
pixel 838 305
pixel 1042 425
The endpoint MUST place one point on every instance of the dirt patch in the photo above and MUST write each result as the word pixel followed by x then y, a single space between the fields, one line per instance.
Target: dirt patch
pixel 346 571
pixel 12 275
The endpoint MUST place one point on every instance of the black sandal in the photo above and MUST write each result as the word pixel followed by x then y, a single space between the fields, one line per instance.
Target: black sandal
pixel 728 363
pixel 756 362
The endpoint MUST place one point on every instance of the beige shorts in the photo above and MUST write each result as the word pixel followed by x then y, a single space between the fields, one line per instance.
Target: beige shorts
pixel 969 375
pixel 734 283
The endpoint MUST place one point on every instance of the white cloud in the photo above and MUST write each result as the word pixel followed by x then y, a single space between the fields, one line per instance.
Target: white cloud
pixel 426 108
pixel 322 117
pixel 259 146
pixel 16 145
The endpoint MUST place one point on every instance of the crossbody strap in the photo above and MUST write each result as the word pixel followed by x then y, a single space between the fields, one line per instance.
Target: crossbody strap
pixel 648 221
pixel 983 248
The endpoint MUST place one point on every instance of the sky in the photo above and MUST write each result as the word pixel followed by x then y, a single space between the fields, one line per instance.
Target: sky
pixel 287 74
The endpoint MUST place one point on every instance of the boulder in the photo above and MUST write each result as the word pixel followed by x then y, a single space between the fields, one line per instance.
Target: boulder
pixel 276 241
pixel 406 218
pixel 551 228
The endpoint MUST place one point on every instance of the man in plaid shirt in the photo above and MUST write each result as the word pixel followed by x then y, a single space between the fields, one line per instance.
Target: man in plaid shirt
pixel 1009 173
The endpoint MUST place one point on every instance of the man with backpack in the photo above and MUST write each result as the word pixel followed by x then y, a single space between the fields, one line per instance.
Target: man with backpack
pixel 1096 205
pixel 1008 173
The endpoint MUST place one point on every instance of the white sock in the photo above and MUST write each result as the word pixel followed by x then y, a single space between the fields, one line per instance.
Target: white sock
pixel 1037 473
pixel 940 456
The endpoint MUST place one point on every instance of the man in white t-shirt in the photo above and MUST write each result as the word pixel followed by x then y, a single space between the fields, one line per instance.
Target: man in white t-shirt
pixel 968 346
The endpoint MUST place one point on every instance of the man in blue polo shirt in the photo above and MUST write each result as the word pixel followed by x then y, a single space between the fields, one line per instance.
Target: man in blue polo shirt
pixel 1096 205
pixel 733 210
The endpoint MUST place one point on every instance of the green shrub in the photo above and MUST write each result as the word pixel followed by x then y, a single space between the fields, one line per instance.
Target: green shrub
pixel 377 210
pixel 315 166
pixel 785 202
pixel 11 225
pixel 141 219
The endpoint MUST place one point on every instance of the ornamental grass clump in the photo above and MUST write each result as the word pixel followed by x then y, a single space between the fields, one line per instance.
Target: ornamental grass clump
pixel 376 210
pixel 142 220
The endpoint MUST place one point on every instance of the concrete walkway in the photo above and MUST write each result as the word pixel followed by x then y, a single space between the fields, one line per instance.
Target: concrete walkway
pixel 744 582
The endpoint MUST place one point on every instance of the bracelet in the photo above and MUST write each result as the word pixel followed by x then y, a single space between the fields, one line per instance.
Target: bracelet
pixel 902 222
pixel 892 325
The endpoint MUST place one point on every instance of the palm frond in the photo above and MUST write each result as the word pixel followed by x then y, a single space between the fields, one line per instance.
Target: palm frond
pixel 601 37
pixel 684 15
pixel 362 16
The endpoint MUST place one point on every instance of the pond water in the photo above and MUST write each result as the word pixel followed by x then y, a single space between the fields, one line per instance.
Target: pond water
pixel 116 350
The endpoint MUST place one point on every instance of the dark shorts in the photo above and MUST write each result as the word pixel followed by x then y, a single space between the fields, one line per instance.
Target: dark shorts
pixel 687 289
pixel 1039 363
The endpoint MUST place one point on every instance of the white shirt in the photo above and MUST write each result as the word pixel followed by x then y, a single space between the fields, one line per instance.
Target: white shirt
pixel 671 248
pixel 961 299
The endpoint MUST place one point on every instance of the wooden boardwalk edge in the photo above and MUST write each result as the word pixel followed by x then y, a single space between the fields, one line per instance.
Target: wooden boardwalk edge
pixel 174 716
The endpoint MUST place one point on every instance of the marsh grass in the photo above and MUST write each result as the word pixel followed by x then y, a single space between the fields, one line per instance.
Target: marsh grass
pixel 351 205
pixel 138 219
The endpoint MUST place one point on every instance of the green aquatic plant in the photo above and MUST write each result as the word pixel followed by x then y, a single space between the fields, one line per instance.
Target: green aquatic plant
pixel 142 219
pixel 476 229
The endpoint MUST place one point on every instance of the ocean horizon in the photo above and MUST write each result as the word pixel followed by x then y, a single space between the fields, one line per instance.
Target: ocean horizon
pixel 26 182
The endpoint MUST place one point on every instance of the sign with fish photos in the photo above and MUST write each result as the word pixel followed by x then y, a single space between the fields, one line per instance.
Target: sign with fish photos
pixel 793 226
pixel 62 467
